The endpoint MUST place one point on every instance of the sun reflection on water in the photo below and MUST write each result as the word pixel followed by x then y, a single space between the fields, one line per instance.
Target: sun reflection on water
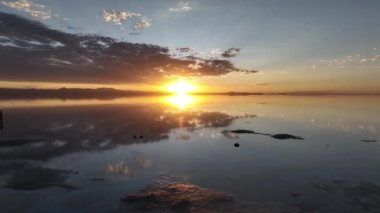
pixel 181 101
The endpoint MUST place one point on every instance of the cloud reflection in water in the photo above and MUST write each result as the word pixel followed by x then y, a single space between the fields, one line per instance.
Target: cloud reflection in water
pixel 42 133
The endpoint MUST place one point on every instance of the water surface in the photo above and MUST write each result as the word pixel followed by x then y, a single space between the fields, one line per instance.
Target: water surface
pixel 86 155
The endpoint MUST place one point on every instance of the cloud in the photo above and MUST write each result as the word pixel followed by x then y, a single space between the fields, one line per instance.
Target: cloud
pixel 69 27
pixel 231 52
pixel 375 58
pixel 134 33
pixel 182 6
pixel 184 49
pixel 216 51
pixel 118 17
pixel 194 66
pixel 136 20
pixel 32 52
pixel 35 10
pixel 141 23
pixel 343 62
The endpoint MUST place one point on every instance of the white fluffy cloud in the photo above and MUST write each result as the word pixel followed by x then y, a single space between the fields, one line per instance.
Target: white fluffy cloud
pixel 118 17
pixel 141 23
pixel 182 6
pixel 345 61
pixel 136 20
pixel 216 51
pixel 35 10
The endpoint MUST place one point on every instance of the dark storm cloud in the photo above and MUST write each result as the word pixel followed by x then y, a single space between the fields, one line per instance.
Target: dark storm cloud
pixel 30 51
pixel 232 52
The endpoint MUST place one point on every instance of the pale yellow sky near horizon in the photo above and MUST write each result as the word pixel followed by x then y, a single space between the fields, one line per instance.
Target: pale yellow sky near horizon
pixel 365 82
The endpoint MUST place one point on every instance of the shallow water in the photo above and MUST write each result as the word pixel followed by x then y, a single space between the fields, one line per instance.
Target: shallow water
pixel 112 148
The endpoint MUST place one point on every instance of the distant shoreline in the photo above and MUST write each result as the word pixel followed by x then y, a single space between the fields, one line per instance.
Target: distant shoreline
pixel 110 93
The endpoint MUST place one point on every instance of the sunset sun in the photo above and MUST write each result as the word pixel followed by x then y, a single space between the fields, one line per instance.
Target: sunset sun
pixel 180 87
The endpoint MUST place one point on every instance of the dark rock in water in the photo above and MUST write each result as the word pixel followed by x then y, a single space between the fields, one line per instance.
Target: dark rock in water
pixel 19 141
pixel 275 136
pixel 286 136
pixel 369 141
pixel 178 197
pixel 38 178
pixel 236 145
pixel 242 131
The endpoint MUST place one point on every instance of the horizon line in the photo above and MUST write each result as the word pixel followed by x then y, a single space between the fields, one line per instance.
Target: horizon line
pixel 121 92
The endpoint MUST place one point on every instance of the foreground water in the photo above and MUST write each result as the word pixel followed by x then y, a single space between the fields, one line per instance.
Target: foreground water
pixel 89 155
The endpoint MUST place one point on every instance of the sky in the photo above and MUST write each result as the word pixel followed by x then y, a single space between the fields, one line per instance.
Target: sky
pixel 220 45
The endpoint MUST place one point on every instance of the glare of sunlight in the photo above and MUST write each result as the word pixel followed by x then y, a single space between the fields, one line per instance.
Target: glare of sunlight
pixel 181 101
pixel 180 87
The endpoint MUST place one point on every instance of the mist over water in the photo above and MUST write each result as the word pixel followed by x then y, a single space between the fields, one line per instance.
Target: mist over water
pixel 87 155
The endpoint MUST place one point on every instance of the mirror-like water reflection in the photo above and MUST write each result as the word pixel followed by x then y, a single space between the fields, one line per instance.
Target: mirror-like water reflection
pixel 87 155
pixel 181 100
